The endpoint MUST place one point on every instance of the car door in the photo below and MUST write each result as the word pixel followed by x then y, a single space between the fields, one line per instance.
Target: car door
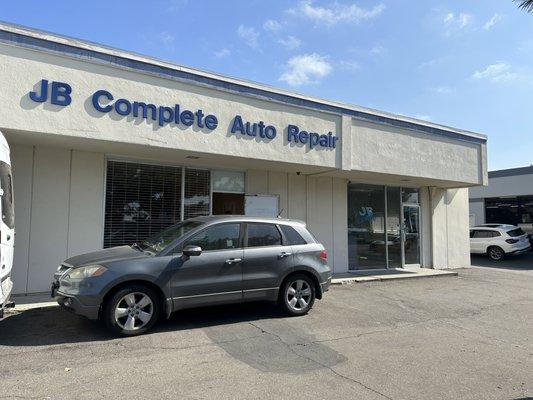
pixel 474 245
pixel 266 260
pixel 479 240
pixel 213 277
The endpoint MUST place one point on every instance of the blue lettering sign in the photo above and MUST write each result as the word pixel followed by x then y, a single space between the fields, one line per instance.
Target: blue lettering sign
pixel 60 93
pixel 294 134
pixel 104 102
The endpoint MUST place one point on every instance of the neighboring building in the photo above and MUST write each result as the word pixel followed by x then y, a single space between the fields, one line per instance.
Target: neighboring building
pixel 109 147
pixel 507 199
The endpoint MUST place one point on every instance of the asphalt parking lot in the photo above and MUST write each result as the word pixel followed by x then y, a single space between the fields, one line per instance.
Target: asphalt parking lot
pixel 465 337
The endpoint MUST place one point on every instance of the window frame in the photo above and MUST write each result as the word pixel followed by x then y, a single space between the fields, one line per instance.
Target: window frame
pixel 240 241
pixel 245 242
pixel 285 241
pixel 488 231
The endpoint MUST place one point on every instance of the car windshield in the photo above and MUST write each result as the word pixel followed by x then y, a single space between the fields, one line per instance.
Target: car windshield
pixel 160 240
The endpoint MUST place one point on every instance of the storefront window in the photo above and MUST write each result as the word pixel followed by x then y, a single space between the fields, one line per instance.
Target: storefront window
pixel 141 200
pixel 394 239
pixel 144 199
pixel 410 195
pixel 511 210
pixel 197 193
pixel 383 227
pixel 366 229
pixel 228 181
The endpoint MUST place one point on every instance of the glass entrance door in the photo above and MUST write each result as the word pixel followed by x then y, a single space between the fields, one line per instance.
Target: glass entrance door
pixel 411 235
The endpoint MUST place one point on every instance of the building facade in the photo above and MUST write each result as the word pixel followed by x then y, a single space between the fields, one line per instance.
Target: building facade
pixel 109 147
pixel 507 199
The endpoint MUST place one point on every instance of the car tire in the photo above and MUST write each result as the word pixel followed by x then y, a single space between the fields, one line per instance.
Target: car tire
pixel 297 295
pixel 496 253
pixel 132 310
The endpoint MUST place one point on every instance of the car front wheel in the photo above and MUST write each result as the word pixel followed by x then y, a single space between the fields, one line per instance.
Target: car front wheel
pixel 132 310
pixel 297 295
pixel 496 253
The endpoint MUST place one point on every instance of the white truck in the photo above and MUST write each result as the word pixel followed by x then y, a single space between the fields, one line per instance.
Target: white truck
pixel 7 226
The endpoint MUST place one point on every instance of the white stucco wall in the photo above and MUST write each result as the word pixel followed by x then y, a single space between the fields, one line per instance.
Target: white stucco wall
pixel 518 185
pixel 390 150
pixel 449 220
pixel 477 210
pixel 58 209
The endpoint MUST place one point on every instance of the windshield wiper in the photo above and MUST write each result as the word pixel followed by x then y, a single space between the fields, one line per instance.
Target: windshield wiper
pixel 143 249
pixel 137 246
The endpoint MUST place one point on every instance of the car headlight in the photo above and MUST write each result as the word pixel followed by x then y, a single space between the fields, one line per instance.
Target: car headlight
pixel 81 273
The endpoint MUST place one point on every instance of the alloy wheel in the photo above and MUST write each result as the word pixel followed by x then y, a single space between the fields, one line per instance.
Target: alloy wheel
pixel 495 253
pixel 134 311
pixel 298 295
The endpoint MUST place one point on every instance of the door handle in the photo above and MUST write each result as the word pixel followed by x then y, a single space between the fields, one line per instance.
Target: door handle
pixel 284 254
pixel 233 260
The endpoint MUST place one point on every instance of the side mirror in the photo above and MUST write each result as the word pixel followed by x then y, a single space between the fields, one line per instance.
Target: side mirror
pixel 191 251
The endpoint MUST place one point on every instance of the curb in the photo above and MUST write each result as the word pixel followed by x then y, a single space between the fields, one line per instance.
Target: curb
pixel 363 279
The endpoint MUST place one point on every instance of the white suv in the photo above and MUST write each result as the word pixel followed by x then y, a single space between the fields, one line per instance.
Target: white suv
pixel 498 240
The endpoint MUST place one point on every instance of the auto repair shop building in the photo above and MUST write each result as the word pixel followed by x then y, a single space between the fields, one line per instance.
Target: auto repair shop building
pixel 109 147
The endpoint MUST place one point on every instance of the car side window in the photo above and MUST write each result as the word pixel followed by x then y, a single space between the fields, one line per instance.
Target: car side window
pixel 292 237
pixel 496 234
pixel 480 234
pixel 263 235
pixel 218 237
pixel 472 233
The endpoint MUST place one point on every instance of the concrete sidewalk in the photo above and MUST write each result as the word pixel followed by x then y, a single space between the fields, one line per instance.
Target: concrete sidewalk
pixel 389 274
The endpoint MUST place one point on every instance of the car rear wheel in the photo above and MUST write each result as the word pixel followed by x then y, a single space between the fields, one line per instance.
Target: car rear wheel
pixel 297 295
pixel 495 253
pixel 132 310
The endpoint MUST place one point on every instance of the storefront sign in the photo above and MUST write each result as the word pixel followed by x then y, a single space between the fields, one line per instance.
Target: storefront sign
pixel 61 93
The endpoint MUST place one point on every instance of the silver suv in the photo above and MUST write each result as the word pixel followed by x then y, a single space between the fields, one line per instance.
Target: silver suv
pixel 199 262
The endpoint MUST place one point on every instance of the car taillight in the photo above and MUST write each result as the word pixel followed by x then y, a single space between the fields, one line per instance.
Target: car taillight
pixel 324 255
pixel 511 241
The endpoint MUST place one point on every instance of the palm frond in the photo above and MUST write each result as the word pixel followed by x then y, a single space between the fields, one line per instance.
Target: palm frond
pixel 526 5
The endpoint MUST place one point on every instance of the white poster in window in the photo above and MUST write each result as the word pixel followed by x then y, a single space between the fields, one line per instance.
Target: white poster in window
pixel 261 205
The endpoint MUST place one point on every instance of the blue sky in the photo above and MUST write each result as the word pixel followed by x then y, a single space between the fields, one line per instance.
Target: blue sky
pixel 468 64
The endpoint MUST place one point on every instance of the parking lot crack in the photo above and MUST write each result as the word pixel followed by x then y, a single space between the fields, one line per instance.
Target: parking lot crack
pixel 291 347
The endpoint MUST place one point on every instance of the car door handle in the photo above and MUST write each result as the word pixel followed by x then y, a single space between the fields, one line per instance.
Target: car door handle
pixel 233 260
pixel 284 254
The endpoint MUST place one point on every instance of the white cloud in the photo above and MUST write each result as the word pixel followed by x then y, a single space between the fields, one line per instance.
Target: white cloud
pixel 336 12
pixel 176 5
pixel 306 69
pixel 271 25
pixel 348 65
pixel 499 72
pixel 442 89
pixel 249 35
pixel 493 21
pixel 167 39
pixel 222 53
pixel 377 50
pixel 456 22
pixel 290 43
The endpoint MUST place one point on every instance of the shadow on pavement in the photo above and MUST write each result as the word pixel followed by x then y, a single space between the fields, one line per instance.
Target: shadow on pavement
pixel 523 262
pixel 52 325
